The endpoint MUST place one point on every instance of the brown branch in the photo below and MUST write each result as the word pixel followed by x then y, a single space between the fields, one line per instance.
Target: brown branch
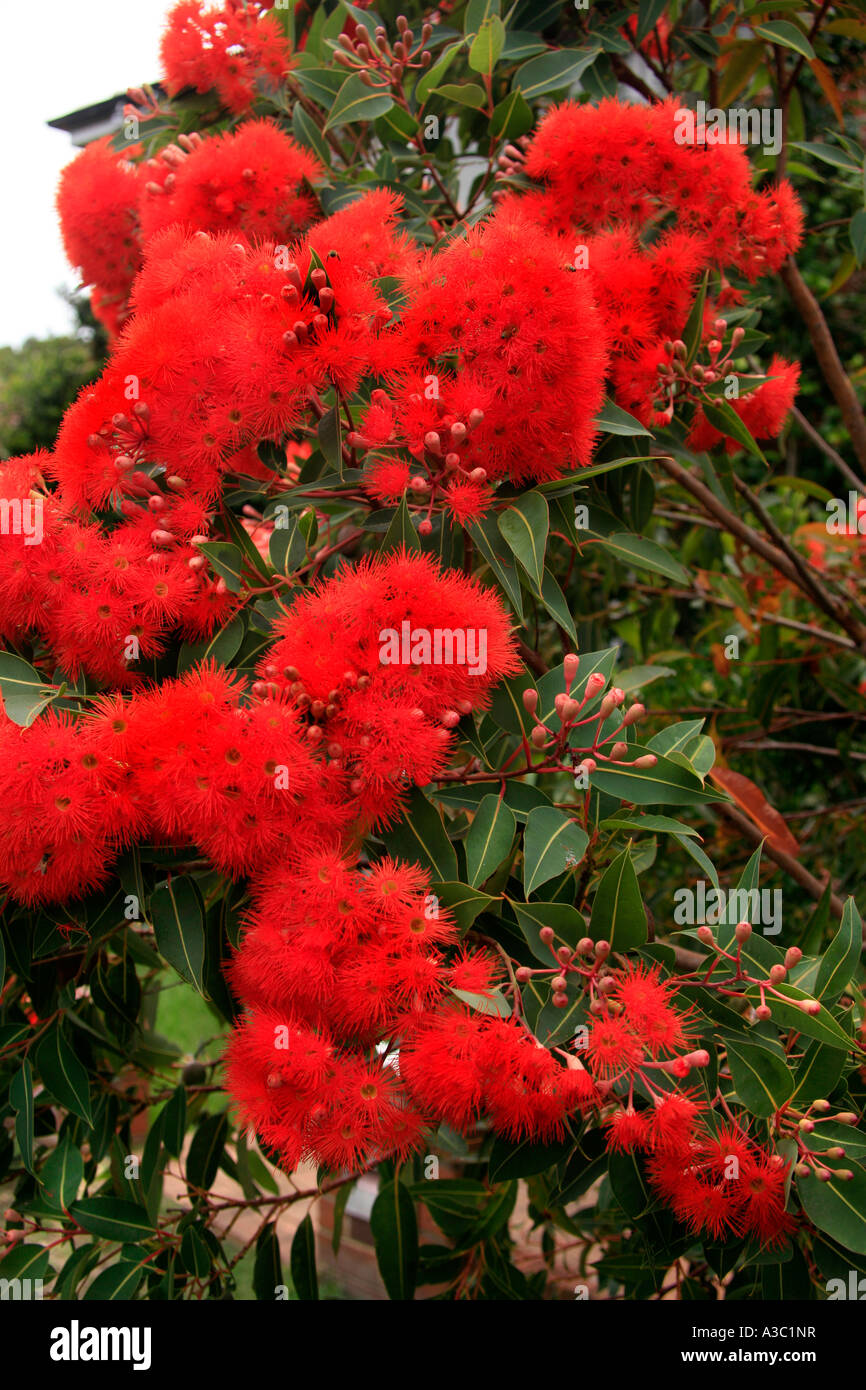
pixel 774 557
pixel 828 358
pixel 845 469
pixel 792 867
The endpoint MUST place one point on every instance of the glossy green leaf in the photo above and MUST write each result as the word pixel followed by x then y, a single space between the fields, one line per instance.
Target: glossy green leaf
pixel 489 839
pixel 64 1075
pixel 553 843
pixel 842 955
pixel 420 838
pixel 395 1233
pixel 618 914
pixel 355 102
pixel 24 694
pixel 177 913
pixel 303 1262
pixel 112 1219
pixel 524 526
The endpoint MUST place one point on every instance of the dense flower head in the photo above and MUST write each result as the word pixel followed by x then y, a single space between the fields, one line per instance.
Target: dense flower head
pixel 226 341
pixel 97 202
pixel 67 805
pixel 646 200
pixel 497 322
pixel 237 780
pixel 223 49
pixel 252 179
pixel 386 657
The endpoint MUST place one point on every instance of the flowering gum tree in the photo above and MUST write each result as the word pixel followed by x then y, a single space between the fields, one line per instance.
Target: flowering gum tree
pixel 437 427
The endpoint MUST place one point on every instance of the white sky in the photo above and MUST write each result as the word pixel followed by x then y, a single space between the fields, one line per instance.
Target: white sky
pixel 58 55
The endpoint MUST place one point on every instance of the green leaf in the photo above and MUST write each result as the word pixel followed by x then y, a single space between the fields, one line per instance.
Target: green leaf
pixel 761 1079
pixel 650 825
pixel 395 1233
pixel 25 1262
pixel 206 1150
pixel 330 437
pixel 420 838
pixel 433 76
pixel 724 418
pixel 618 914
pixel 489 542
pixel 693 330
pixel 62 1174
pixel 666 784
pixel 551 71
pixel 818 1072
pixel 112 1219
pixel 494 1004
pixel 567 923
pixel 648 15
pixel 857 233
pixel 307 133
pixel 355 102
pixel 524 526
pixel 195 1253
pixel 489 839
pixel 401 534
pixel 462 902
pixel 464 93
pixel 21 1100
pixel 24 694
pixel 829 154
pixel 398 126
pixel 838 1206
pixel 552 844
pixel 524 1158
pixel 643 554
pixel 842 955
pixel 511 118
pixel 64 1075
pixel 173 1116
pixel 222 647
pixel 225 559
pixel 780 31
pixel 612 419
pixel 177 913
pixel 115 1284
pixel 557 606
pixel 303 1262
pixel 477 13
pixel 486 48
pixel 267 1269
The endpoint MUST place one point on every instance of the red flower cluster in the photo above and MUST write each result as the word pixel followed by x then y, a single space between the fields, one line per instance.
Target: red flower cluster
pixel 223 50
pixel 715 1178
pixel 249 779
pixel 97 203
pixel 495 369
pixel 99 600
pixel 67 805
pixel 251 179
pixel 646 205
pixel 386 658
pixel 355 1044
